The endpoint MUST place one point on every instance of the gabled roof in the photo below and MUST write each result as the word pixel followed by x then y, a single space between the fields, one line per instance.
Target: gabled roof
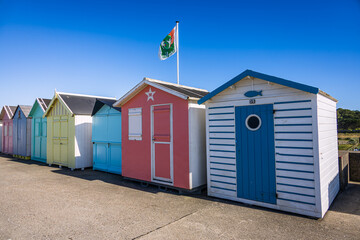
pixel 77 104
pixel 24 108
pixel 100 103
pixel 281 81
pixel 181 91
pixel 42 102
pixel 8 110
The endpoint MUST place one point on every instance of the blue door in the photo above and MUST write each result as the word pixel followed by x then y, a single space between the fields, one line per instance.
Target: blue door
pixel 255 153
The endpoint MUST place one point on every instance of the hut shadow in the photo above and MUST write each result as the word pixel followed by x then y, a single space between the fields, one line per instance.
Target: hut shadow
pixel 348 201
pixel 28 162
pixel 91 175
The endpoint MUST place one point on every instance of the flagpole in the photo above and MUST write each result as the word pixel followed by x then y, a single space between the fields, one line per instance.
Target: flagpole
pixel 177 50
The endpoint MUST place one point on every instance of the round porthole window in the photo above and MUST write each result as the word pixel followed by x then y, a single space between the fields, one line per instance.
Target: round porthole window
pixel 253 122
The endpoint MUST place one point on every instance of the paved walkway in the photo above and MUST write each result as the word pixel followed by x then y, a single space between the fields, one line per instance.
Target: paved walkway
pixel 41 202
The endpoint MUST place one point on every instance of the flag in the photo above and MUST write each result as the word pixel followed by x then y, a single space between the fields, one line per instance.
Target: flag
pixel 168 46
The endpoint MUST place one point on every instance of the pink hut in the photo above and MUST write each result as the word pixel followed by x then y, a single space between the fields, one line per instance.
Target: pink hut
pixel 6 115
pixel 163 134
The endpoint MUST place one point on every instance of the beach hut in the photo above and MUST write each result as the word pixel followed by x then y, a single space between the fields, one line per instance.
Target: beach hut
pixel 6 115
pixel 38 129
pixel 106 136
pixel 272 142
pixel 69 130
pixel 163 134
pixel 22 132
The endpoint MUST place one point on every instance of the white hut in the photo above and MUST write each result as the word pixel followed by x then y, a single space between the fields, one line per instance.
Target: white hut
pixel 272 142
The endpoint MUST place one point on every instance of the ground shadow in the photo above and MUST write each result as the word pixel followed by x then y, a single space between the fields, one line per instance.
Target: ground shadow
pixel 91 175
pixel 29 162
pixel 348 201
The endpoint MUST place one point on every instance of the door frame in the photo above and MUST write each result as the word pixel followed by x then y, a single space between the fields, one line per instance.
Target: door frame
pixel 153 177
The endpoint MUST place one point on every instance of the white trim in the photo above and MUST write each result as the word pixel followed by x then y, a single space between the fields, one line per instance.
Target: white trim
pixel 247 125
pixel 317 180
pixel 176 85
pixel 159 179
pixel 85 95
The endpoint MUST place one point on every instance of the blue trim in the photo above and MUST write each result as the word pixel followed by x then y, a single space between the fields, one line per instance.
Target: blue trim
pixel 221 125
pixel 294 155
pixel 222 182
pixel 293 170
pixel 299 163
pixel 231 164
pixel 227 170
pixel 222 138
pixel 291 185
pixel 216 144
pixel 293 117
pixel 281 81
pixel 224 188
pixel 284 125
pixel 222 157
pixel 300 101
pixel 225 119
pixel 292 109
pixel 295 178
pixel 218 175
pixel 296 201
pixel 300 194
pixel 221 113
pixel 222 132
pixel 221 107
pixel 296 140
pixel 222 151
pixel 294 147
pixel 293 132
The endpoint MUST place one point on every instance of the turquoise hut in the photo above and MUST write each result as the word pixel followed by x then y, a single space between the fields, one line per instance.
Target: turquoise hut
pixel 38 129
pixel 106 136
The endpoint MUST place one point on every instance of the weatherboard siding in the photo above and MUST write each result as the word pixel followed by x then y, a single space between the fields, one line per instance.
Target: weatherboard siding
pixel 328 154
pixel 294 144
pixel 83 143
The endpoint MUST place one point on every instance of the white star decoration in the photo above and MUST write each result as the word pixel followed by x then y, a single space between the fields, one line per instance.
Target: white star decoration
pixel 150 95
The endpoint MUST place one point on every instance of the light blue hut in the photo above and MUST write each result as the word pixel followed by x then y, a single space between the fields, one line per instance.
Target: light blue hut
pixel 22 132
pixel 38 129
pixel 106 136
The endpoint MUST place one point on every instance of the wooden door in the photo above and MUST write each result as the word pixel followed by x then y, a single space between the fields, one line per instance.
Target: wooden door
pixel 255 153
pixel 162 143
pixel 60 140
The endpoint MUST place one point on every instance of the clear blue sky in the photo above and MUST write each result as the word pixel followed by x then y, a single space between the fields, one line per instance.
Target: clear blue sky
pixel 106 47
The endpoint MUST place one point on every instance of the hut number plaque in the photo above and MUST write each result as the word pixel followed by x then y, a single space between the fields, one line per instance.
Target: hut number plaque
pixel 252 101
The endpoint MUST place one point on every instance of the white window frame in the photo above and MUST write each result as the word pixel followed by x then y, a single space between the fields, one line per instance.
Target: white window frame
pixel 135 135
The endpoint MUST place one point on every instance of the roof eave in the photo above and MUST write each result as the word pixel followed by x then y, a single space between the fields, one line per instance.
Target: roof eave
pixel 281 81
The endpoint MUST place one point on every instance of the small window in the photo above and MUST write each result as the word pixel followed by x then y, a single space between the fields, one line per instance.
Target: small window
pixel 135 124
pixel 6 130
pixel 10 130
pixel 253 122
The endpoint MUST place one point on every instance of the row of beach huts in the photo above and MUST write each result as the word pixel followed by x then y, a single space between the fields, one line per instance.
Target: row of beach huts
pixel 256 139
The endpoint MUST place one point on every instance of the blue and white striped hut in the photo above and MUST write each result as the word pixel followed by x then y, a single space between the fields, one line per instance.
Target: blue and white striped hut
pixel 272 142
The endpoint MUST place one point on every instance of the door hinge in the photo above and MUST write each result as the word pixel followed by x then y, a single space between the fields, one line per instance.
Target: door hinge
pixel 276 195
pixel 274 111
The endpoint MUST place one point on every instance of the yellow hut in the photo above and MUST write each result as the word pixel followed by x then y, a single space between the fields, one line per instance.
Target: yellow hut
pixel 69 126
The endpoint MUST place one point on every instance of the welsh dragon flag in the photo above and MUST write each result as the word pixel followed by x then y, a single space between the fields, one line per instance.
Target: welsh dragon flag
pixel 168 46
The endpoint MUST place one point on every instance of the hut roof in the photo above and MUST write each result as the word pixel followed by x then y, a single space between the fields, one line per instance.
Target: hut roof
pixel 8 110
pixel 281 81
pixel 101 102
pixel 77 104
pixel 181 91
